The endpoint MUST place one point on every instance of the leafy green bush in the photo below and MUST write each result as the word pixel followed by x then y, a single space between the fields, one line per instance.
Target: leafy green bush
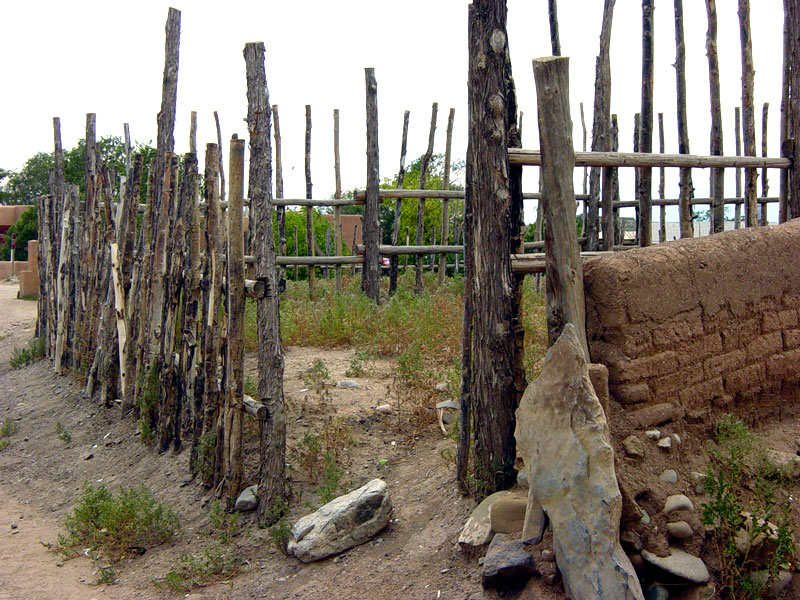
pixel 197 569
pixel 748 493
pixel 26 229
pixel 117 526
pixel 8 428
pixel 22 357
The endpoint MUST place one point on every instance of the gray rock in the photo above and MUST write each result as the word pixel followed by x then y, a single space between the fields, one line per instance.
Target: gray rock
pixel 478 528
pixel 548 555
pixel 385 409
pixel 345 522
pixel 645 520
pixel 680 530
pixel 676 438
pixel 522 478
pixel 677 502
pixel 699 481
pixel 669 476
pixel 576 486
pixel 630 540
pixel 506 564
pixel 451 404
pixel 786 462
pixel 348 384
pixel 442 387
pixel 665 444
pixel 681 564
pixel 508 514
pixel 656 592
pixel 633 446
pixel 653 434
pixel 248 499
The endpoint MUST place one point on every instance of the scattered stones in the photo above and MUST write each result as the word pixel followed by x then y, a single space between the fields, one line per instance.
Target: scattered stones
pixel 345 522
pixel 669 476
pixel 665 444
pixel 385 409
pixel 548 555
pixel 680 530
pixel 13 525
pixel 679 563
pixel 577 485
pixel 248 499
pixel 656 414
pixel 478 528
pixel 348 384
pixel 442 387
pixel 506 564
pixel 652 434
pixel 677 502
pixel 633 446
pixel 507 515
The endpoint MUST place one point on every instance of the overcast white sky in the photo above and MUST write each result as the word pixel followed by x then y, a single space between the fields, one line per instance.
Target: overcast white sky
pixel 69 58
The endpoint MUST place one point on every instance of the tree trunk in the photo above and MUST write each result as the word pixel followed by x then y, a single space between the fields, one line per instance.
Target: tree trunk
pixel 398 206
pixel 491 378
pixel 748 113
pixel 646 126
pixel 371 271
pixel 783 207
pixel 272 450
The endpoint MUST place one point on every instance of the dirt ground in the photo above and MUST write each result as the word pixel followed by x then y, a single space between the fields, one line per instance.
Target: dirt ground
pixel 416 556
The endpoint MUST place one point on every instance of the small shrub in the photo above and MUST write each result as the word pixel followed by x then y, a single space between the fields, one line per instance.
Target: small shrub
pixel 206 567
pixel 280 530
pixel 250 385
pixel 224 524
pixel 317 375
pixel 117 525
pixel 8 428
pixel 738 462
pixel 62 433
pixel 4 444
pixel 308 453
pixel 361 363
pixel 331 477
pixel 22 357
pixel 204 459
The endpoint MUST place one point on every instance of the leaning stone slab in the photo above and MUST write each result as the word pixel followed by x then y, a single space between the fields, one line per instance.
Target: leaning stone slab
pixel 681 564
pixel 478 528
pixel 563 437
pixel 342 523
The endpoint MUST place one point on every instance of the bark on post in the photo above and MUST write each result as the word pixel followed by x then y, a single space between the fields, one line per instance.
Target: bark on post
pixel 272 448
pixel 552 11
pixel 618 233
pixel 686 187
pixel 737 122
pixel 564 278
pixel 601 123
pixel 446 186
pixel 281 210
pixel 423 175
pixel 790 142
pixel 398 206
pixel 491 377
pixel 762 216
pixel 310 234
pixel 337 211
pixel 662 221
pixel 748 113
pixel 232 417
pixel 646 126
pixel 783 207
pixel 371 271
pixel 717 175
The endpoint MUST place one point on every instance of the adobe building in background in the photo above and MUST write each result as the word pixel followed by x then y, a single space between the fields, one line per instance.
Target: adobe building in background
pixel 26 270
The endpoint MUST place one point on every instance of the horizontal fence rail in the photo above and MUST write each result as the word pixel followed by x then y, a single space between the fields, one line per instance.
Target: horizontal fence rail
pixel 533 158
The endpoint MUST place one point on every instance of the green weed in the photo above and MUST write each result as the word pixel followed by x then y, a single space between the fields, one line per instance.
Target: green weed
pixel 62 433
pixel 739 463
pixel 203 568
pixel 8 428
pixel 22 357
pixel 361 363
pixel 317 375
pixel 224 524
pixel 331 477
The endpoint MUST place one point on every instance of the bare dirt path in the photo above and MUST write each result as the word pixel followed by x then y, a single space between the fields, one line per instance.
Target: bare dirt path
pixel 17 322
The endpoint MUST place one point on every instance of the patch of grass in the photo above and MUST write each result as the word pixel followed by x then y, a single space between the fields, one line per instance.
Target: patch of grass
pixel 118 525
pixel 62 433
pixel 202 568
pixel 4 444
pixel 22 357
pixel 250 385
pixel 8 428
pixel 308 453
pixel 281 530
pixel 223 524
pixel 747 493
pixel 361 363
pixel 317 375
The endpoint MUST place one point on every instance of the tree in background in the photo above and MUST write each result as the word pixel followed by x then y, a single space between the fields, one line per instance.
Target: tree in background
pixel 26 229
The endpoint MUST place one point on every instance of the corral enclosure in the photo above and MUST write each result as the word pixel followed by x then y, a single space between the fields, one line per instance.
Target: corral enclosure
pixel 151 313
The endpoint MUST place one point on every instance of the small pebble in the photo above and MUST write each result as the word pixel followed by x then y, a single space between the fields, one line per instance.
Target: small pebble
pixel 678 502
pixel 548 555
pixel 652 434
pixel 676 438
pixel 665 444
pixel 443 571
pixel 13 526
pixel 669 476
pixel 385 409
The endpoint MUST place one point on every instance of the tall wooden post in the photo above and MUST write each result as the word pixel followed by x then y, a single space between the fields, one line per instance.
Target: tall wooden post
pixel 686 187
pixel 717 175
pixel 662 220
pixel 564 277
pixel 492 380
pixel 371 271
pixel 762 208
pixel 446 186
pixel 398 207
pixel 789 145
pixel 783 197
pixel 310 233
pixel 748 113
pixel 337 211
pixel 737 123
pixel 272 449
pixel 423 175
pixel 281 210
pixel 601 123
pixel 644 191
pixel 552 11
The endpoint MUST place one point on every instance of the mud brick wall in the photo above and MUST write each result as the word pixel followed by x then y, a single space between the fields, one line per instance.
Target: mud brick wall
pixel 703 322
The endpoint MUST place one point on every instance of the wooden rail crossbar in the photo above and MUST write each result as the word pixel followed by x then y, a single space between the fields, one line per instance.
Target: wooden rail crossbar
pixel 437 194
pixel 533 158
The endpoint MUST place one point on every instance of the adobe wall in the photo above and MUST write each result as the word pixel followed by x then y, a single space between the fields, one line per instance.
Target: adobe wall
pixel 706 322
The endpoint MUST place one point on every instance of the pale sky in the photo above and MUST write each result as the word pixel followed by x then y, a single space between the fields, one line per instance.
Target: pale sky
pixel 69 58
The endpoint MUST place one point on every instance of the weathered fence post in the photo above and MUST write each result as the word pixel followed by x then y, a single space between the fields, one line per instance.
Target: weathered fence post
pixel 281 210
pixel 310 233
pixel 748 114
pixel 337 210
pixel 686 187
pixel 446 186
pixel 398 206
pixel 423 175
pixel 717 175
pixel 646 126
pixel 371 271
pixel 563 261
pixel 490 388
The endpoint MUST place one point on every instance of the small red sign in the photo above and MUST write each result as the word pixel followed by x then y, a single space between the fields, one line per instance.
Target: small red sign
pixel 14 241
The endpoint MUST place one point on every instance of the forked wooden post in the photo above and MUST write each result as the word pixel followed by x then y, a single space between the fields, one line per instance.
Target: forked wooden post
pixel 337 210
pixel 310 234
pixel 398 207
pixel 371 271
pixel 564 278
pixel 446 186
pixel 748 113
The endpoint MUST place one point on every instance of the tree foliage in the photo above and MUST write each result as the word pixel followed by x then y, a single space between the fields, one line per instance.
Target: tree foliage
pixel 26 229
